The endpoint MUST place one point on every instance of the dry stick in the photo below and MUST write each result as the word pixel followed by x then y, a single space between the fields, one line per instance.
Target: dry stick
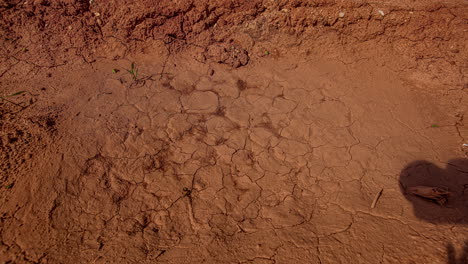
pixel 377 196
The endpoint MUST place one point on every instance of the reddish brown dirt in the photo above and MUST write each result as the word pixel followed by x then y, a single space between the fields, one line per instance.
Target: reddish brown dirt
pixel 255 131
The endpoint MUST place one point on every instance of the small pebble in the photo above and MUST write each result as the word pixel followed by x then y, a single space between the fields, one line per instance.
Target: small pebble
pixel 381 13
pixel 341 14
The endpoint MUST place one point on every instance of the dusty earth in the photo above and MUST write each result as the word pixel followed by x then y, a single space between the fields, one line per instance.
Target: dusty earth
pixel 249 132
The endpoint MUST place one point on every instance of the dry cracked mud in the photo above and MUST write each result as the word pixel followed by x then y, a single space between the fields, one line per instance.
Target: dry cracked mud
pixel 250 131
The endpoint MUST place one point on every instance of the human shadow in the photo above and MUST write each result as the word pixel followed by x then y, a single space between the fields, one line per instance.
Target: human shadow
pixel 454 178
pixel 448 206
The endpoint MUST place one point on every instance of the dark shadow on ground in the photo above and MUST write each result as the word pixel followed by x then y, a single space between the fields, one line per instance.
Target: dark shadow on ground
pixel 454 177
pixel 453 210
pixel 452 257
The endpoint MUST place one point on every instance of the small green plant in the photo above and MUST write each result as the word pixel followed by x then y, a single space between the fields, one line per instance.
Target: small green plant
pixel 115 70
pixel 267 53
pixel 186 191
pixel 434 125
pixel 133 72
pixel 9 186
pixel 14 94
pixel 4 98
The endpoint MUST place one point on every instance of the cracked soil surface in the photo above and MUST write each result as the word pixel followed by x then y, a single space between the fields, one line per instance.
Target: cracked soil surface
pixel 254 132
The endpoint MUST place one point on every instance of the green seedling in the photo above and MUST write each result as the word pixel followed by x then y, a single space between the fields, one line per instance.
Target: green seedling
pixel 133 72
pixel 115 70
pixel 267 53
pixel 434 125
pixel 4 98
pixel 186 191
pixel 14 94
pixel 9 186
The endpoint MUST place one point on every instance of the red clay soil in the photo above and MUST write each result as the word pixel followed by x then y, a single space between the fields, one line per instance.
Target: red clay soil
pixel 274 131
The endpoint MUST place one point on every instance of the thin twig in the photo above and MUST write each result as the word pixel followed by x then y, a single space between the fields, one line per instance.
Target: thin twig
pixel 164 66
pixel 376 198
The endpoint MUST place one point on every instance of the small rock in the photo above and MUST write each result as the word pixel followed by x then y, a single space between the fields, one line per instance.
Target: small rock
pixel 381 12
pixel 97 14
pixel 341 14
